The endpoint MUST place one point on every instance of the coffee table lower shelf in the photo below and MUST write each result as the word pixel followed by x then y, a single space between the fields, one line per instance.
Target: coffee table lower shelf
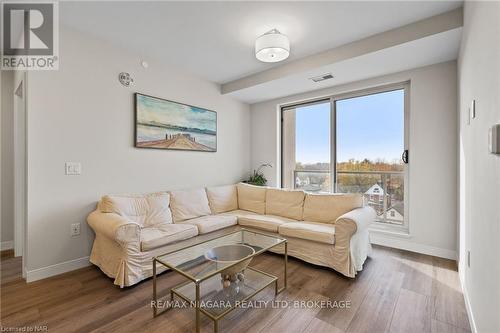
pixel 204 291
pixel 215 301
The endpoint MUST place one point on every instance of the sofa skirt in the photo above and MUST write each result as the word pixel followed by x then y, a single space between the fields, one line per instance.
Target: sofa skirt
pixel 127 265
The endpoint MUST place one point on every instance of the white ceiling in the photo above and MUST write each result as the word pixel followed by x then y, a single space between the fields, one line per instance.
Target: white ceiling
pixel 417 53
pixel 215 40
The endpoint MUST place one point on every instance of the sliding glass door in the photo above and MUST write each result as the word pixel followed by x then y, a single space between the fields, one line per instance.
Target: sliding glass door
pixel 353 143
pixel 370 143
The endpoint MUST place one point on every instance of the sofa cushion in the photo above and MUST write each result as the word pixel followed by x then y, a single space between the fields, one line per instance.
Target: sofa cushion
pixel 154 237
pixel 264 222
pixel 143 209
pixel 286 203
pixel 206 224
pixel 317 232
pixel 326 208
pixel 189 204
pixel 222 198
pixel 252 198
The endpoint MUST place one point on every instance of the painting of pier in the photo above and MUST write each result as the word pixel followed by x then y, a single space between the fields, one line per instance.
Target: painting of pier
pixel 164 124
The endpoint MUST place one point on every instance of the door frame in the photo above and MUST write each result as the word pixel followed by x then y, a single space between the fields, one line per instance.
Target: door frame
pixel 333 98
pixel 405 228
pixel 20 167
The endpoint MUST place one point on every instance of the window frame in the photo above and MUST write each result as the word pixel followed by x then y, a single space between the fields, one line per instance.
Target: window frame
pixel 333 98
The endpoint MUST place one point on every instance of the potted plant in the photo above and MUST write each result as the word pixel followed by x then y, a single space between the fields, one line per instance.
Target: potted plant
pixel 257 177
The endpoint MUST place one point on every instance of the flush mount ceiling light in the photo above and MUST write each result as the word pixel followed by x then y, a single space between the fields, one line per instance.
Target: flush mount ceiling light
pixel 272 46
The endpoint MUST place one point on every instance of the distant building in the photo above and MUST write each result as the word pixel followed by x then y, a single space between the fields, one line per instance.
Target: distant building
pixel 302 182
pixel 375 194
pixel 396 212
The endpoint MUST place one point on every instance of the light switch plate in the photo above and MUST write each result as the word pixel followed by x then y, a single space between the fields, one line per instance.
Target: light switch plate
pixel 73 168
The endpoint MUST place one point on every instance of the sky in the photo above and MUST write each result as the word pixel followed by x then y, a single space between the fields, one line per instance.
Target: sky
pixel 370 127
pixel 172 113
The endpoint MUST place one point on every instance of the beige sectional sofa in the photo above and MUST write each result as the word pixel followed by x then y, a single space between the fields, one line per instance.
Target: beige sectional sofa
pixel 324 229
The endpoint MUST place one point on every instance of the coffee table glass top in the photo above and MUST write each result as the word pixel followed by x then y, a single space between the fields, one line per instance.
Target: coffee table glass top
pixel 203 260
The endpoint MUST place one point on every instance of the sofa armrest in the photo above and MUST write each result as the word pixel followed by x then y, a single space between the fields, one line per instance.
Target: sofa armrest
pixel 114 227
pixel 356 219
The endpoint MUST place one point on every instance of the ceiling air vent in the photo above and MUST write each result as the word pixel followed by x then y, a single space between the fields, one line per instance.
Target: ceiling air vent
pixel 323 77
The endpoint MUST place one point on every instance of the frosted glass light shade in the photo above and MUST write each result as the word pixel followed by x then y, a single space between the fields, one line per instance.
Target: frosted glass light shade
pixel 272 47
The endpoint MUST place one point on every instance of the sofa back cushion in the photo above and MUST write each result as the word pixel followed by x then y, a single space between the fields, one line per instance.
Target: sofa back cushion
pixel 222 198
pixel 147 210
pixel 252 198
pixel 286 203
pixel 189 204
pixel 326 208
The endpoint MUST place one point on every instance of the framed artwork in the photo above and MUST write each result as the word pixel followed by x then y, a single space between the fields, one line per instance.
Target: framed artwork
pixel 163 124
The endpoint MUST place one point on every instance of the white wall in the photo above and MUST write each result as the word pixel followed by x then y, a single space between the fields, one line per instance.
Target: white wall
pixel 479 79
pixel 432 145
pixel 7 155
pixel 82 113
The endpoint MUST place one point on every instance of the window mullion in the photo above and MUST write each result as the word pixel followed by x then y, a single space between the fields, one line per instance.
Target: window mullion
pixel 333 147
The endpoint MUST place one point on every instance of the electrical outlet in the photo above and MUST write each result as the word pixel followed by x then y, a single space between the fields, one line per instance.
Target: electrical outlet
pixel 75 229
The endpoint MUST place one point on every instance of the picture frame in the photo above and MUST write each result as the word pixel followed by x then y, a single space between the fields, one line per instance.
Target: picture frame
pixel 170 125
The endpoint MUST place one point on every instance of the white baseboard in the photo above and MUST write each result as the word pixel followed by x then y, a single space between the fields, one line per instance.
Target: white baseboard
pixel 63 267
pixel 405 244
pixel 6 245
pixel 467 304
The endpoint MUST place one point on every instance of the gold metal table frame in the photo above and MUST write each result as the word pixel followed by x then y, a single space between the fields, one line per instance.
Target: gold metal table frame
pixel 197 281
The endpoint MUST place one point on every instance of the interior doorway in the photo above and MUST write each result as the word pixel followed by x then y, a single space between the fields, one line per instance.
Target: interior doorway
pixel 20 167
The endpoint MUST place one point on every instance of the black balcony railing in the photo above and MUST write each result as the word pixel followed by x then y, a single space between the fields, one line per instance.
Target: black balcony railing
pixel 382 190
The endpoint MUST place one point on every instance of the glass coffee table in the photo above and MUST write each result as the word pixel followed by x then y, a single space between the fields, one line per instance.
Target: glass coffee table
pixel 218 273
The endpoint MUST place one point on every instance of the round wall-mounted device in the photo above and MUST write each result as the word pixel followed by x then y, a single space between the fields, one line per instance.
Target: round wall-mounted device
pixel 125 79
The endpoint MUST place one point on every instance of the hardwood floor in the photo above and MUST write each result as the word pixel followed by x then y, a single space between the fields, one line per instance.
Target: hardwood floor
pixel 397 291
